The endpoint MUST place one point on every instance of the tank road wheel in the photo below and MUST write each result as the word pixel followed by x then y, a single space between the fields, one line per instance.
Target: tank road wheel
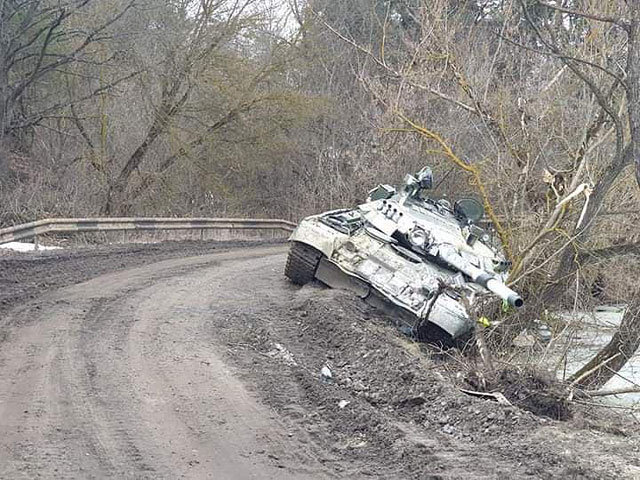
pixel 302 263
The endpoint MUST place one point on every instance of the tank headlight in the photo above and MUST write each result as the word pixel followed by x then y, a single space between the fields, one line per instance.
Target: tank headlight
pixel 418 237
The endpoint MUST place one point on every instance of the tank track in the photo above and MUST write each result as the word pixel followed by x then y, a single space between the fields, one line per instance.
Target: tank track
pixel 302 263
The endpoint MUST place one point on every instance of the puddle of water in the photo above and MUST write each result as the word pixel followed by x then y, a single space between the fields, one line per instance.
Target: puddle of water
pixel 589 332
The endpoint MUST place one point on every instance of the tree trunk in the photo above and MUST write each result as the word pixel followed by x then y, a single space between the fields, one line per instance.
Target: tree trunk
pixel 633 84
pixel 568 264
pixel 631 154
pixel 626 340
pixel 115 203
pixel 5 117
pixel 115 195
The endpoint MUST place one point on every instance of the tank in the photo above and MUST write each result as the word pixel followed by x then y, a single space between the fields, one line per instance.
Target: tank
pixel 422 259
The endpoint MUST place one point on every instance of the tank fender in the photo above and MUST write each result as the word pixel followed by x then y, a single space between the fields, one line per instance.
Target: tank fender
pixel 317 235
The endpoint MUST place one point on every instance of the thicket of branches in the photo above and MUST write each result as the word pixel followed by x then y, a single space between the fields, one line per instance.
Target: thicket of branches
pixel 286 108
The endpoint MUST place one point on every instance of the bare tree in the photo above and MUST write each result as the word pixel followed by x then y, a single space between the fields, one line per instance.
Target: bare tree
pixel 617 96
pixel 208 33
pixel 39 40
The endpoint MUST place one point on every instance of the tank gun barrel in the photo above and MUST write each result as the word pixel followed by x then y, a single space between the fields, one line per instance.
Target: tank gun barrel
pixel 449 255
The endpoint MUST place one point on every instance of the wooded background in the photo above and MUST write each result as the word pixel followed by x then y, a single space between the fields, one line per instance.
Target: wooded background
pixel 285 108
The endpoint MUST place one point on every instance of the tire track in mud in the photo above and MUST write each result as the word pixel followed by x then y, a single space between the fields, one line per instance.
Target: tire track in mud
pixel 113 378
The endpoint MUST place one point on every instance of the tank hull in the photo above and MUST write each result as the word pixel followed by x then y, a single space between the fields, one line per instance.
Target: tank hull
pixel 372 269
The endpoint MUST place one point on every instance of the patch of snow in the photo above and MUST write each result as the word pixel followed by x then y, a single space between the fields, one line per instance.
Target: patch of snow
pixel 26 247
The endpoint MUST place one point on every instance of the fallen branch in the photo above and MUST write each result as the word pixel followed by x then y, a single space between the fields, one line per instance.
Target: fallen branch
pixel 606 405
pixel 613 391
pixel 591 370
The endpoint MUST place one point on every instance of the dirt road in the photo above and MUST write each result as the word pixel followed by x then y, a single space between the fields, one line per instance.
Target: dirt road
pixel 118 377
pixel 208 367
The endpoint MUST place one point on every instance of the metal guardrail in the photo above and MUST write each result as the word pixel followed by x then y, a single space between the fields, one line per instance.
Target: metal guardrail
pixel 83 225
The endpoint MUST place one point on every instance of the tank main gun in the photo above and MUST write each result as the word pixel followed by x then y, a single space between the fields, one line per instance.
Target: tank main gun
pixel 449 255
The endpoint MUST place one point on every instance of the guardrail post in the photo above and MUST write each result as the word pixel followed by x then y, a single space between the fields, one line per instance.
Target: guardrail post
pixel 36 243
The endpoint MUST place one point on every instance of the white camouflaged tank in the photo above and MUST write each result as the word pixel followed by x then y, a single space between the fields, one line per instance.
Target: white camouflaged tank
pixel 422 259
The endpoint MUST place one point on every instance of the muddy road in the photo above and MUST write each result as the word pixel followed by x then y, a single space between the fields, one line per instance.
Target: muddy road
pixel 209 367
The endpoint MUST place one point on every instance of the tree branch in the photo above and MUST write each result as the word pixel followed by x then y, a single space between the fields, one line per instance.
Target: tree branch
pixel 619 158
pixel 39 70
pixel 563 57
pixel 610 252
pixel 397 74
pixel 592 16
pixel 34 120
